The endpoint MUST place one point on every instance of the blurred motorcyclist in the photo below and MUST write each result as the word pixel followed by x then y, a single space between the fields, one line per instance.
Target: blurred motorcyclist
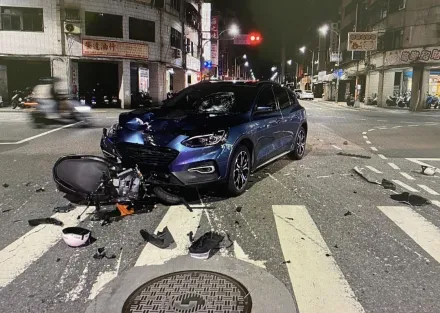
pixel 45 95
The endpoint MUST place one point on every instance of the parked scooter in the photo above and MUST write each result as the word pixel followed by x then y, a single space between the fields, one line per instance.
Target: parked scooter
pixel 141 99
pixel 349 99
pixel 432 101
pixel 20 98
pixel 391 101
pixel 372 100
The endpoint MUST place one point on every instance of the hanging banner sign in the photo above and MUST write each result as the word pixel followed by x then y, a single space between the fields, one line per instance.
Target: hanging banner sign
pixel 214 54
pixel 214 27
pixel 107 48
pixel 406 56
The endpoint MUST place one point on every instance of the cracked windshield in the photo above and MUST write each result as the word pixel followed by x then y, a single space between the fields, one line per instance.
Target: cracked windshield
pixel 220 156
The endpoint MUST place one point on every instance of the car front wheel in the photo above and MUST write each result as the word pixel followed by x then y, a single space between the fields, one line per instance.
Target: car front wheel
pixel 300 145
pixel 239 171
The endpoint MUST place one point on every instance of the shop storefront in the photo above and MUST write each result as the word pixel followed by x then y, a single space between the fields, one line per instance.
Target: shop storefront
pixel 193 70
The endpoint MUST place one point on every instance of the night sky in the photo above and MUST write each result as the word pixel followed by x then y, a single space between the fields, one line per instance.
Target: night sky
pixel 297 20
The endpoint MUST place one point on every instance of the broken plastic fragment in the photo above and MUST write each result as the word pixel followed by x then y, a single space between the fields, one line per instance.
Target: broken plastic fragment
pixel 100 254
pixel 354 155
pixel 162 240
pixel 410 199
pixel 347 213
pixel 5 185
pixel 364 176
pixel 388 184
pixel 238 209
pixel 48 220
pixel 201 248
pixel 41 189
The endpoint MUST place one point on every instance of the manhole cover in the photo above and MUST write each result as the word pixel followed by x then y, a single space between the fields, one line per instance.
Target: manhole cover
pixel 190 291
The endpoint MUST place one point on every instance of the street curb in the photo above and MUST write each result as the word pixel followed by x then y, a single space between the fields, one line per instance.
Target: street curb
pixel 268 293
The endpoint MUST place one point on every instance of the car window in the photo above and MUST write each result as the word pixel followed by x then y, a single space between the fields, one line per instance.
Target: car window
pixel 266 98
pixel 282 96
pixel 292 96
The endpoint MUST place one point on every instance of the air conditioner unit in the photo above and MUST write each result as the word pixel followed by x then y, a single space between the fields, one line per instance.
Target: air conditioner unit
pixel 177 53
pixel 72 28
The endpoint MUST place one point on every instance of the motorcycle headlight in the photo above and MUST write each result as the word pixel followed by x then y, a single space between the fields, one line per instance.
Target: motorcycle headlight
pixel 213 139
pixel 112 130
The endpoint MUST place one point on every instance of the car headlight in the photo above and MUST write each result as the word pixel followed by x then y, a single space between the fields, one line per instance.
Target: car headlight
pixel 112 130
pixel 213 139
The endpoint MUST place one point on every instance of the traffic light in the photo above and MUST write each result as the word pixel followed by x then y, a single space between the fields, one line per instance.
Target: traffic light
pixel 255 39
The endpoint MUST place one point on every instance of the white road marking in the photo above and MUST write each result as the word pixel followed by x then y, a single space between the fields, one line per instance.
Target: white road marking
pixel 20 254
pixel 407 176
pixel 318 283
pixel 423 232
pixel 179 220
pixel 373 169
pixel 382 120
pixel 370 130
pixel 75 293
pixel 364 133
pixel 241 255
pixel 382 157
pixel 368 142
pixel 413 125
pixel 394 166
pixel 103 278
pixel 39 135
pixel 431 123
pixel 397 127
pixel 336 147
pixel 374 148
pixel 409 188
pixel 365 137
pixel 429 190
pixel 435 202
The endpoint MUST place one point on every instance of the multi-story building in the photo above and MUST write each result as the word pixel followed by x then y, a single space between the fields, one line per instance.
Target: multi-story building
pixel 408 53
pixel 121 45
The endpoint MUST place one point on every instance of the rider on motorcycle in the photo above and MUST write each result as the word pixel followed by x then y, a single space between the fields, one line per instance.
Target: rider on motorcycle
pixel 46 96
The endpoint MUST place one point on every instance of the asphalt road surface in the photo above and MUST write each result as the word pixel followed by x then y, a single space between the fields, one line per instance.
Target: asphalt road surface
pixel 335 241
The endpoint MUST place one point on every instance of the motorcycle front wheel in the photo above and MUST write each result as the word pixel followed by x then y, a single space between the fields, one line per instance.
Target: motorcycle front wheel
pixel 15 103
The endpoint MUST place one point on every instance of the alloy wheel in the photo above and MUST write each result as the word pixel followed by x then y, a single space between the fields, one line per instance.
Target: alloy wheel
pixel 241 170
pixel 301 142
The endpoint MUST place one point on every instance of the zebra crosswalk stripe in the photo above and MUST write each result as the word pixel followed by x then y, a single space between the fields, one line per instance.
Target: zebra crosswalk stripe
pixel 318 283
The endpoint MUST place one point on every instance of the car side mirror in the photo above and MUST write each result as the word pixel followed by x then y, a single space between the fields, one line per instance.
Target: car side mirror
pixel 264 109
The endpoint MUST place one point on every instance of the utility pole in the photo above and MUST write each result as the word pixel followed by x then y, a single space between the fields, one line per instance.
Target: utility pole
pixel 283 58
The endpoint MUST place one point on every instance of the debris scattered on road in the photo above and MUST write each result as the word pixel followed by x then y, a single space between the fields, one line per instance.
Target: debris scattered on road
pixel 238 209
pixel 201 248
pixel 76 236
pixel 58 259
pixel 328 254
pixel 354 191
pixel 48 220
pixel 354 155
pixel 28 184
pixel 364 176
pixel 410 199
pixel 6 210
pixel 429 171
pixel 286 262
pixel 308 175
pixel 191 236
pixel 347 213
pixel 237 223
pixel 162 240
pixel 336 246
pixel 388 184
pixel 5 185
pixel 41 189
pixel 290 218
pixel 64 208
pixel 346 142
pixel 303 238
pixel 100 254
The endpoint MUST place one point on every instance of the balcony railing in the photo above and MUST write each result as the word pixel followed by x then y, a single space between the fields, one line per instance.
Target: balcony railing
pixel 193 18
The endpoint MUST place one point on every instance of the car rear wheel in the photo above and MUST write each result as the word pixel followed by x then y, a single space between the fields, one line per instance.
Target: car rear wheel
pixel 300 145
pixel 239 171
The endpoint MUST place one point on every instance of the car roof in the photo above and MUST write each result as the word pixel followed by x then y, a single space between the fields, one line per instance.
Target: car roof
pixel 247 83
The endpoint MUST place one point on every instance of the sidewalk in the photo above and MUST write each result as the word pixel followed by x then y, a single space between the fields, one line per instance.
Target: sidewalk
pixel 374 107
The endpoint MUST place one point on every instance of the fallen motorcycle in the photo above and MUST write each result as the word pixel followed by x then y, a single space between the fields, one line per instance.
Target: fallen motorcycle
pixel 93 180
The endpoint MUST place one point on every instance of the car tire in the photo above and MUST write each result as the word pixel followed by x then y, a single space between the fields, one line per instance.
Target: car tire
pixel 239 171
pixel 300 145
pixel 167 197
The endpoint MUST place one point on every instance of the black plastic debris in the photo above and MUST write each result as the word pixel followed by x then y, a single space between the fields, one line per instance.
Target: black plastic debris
pixel 303 238
pixel 201 248
pixel 6 210
pixel 100 254
pixel 58 259
pixel 336 246
pixel 237 223
pixel 354 155
pixel 41 189
pixel 48 220
pixel 286 262
pixel 346 143
pixel 28 184
pixel 290 218
pixel 328 254
pixel 410 199
pixel 354 191
pixel 388 184
pixel 162 240
pixel 64 208
pixel 347 213
pixel 238 209
pixel 191 236
pixel 5 185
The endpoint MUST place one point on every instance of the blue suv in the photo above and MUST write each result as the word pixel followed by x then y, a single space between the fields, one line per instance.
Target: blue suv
pixel 210 132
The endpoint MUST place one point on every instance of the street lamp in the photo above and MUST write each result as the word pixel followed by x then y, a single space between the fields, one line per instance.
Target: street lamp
pixel 246 63
pixel 234 30
pixel 244 57
pixel 303 50
pixel 289 62
pixel 324 30
pixel 273 69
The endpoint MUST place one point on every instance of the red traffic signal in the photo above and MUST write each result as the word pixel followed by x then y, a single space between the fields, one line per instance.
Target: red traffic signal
pixel 255 38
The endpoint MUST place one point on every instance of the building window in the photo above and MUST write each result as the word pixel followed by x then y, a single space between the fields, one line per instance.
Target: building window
pixel 159 4
pixel 391 40
pixel 104 25
pixel 192 49
pixel 142 30
pixel 175 4
pixel 397 5
pixel 189 79
pixel 22 19
pixel 176 39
